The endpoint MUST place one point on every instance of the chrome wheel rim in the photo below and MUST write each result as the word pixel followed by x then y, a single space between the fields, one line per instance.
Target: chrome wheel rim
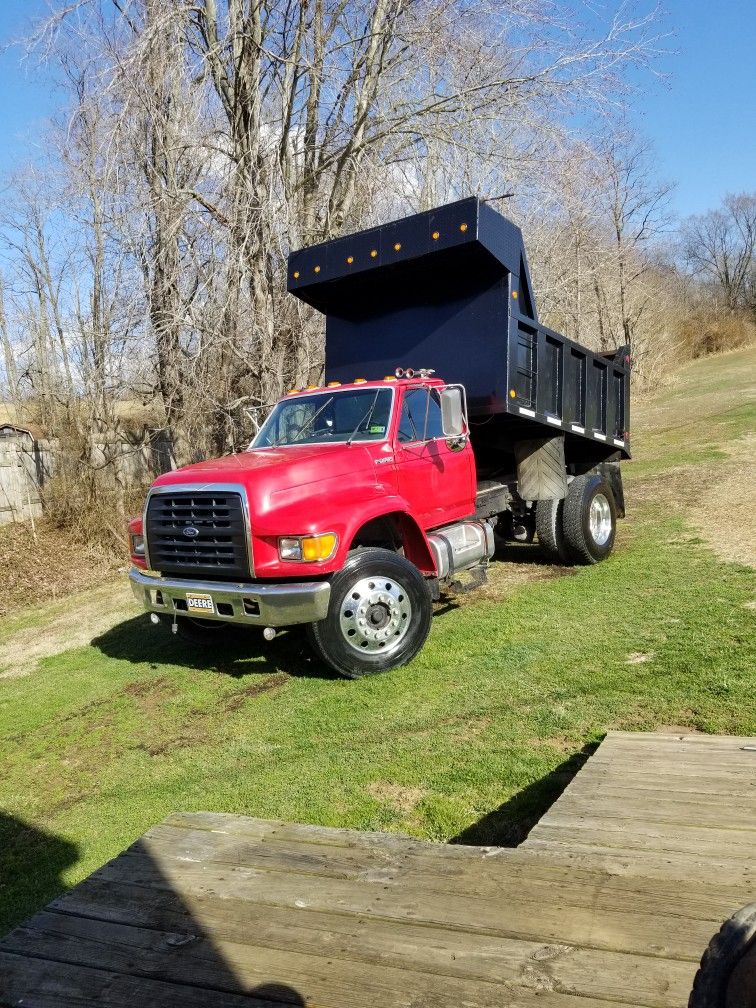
pixel 375 615
pixel 600 520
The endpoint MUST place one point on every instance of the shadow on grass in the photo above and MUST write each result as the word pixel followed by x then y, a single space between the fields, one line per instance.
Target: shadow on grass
pixel 62 961
pixel 509 825
pixel 237 651
pixel 522 553
pixel 32 863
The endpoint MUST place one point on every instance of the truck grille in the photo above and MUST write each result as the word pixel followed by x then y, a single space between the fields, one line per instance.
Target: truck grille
pixel 218 549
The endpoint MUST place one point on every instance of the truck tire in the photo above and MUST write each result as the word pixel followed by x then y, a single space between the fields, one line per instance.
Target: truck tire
pixel 589 519
pixel 379 615
pixel 548 523
pixel 719 982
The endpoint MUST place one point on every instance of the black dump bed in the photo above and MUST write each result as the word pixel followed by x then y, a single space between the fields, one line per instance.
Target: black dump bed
pixel 450 290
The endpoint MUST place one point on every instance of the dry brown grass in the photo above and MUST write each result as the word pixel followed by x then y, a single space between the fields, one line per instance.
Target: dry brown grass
pixel 704 334
pixel 726 513
pixel 41 563
pixel 402 799
pixel 83 617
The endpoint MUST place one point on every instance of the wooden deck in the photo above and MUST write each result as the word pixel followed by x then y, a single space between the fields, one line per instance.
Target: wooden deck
pixel 611 900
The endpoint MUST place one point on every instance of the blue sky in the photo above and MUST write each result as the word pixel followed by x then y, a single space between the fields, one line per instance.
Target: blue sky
pixel 702 120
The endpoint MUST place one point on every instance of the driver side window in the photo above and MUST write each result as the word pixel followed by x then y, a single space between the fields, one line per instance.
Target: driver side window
pixel 421 416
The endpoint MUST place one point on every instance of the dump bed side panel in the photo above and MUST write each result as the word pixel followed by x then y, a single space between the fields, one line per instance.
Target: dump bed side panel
pixel 554 381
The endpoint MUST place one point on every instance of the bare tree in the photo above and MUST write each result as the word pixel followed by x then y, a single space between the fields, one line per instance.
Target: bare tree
pixel 206 138
pixel 720 247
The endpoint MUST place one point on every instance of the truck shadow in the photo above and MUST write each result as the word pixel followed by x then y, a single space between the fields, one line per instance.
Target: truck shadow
pixel 32 863
pixel 522 553
pixel 62 951
pixel 510 823
pixel 239 653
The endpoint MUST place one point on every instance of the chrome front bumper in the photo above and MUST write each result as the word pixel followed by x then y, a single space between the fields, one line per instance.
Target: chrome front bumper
pixel 256 604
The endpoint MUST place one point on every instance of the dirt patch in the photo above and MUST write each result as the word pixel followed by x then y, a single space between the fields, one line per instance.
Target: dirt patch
pixel 86 616
pixel 147 687
pixel 150 694
pixel 561 743
pixel 726 513
pixel 639 657
pixel 402 799
pixel 472 729
pixel 239 698
pixel 198 729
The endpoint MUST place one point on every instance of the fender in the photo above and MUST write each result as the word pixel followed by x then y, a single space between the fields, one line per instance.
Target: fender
pixel 416 546
pixel 343 513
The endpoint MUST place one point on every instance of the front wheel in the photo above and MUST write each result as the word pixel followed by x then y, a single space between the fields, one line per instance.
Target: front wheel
pixel 379 615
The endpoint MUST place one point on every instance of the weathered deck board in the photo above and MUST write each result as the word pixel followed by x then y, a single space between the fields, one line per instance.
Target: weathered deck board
pixel 210 910
pixel 704 830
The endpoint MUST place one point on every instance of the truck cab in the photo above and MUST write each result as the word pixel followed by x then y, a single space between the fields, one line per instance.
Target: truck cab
pixel 334 475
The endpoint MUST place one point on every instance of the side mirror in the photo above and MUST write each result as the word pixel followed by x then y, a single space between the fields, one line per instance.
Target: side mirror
pixel 453 412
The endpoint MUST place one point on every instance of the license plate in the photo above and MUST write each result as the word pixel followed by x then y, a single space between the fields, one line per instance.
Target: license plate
pixel 198 602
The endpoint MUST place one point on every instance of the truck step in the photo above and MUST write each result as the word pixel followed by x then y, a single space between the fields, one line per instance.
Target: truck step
pixel 478 577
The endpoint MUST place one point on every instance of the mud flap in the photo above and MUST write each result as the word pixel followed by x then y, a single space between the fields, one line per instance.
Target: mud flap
pixel 541 470
pixel 611 473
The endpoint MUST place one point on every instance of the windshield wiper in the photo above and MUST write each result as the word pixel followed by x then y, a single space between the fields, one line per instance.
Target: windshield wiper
pixel 365 419
pixel 312 420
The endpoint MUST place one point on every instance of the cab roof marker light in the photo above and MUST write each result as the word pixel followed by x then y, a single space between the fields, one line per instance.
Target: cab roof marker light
pixel 359 381
pixel 333 384
pixel 389 377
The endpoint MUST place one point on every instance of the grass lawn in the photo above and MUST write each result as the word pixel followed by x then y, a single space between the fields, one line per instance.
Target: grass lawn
pixel 472 741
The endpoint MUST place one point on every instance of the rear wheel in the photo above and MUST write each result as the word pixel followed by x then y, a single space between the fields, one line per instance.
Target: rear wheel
pixel 548 523
pixel 589 519
pixel 379 615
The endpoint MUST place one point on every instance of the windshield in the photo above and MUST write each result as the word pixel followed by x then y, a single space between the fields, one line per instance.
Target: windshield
pixel 356 415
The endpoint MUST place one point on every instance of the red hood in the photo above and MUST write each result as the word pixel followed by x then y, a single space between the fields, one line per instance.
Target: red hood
pixel 278 478
pixel 287 463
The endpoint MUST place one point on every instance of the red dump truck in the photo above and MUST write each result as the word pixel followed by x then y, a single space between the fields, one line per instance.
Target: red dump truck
pixel 450 418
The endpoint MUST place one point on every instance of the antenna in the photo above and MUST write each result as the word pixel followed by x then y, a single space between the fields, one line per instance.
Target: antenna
pixel 493 199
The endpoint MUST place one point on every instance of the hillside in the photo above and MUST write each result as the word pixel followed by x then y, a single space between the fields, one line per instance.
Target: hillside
pixel 472 741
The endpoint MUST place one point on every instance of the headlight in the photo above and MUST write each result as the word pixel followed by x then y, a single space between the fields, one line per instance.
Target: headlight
pixel 308 548
pixel 137 545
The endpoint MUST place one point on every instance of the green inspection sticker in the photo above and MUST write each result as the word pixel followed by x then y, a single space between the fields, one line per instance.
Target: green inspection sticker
pixel 377 430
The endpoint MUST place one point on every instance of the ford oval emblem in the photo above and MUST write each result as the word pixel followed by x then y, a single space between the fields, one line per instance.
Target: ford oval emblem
pixel 191 532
